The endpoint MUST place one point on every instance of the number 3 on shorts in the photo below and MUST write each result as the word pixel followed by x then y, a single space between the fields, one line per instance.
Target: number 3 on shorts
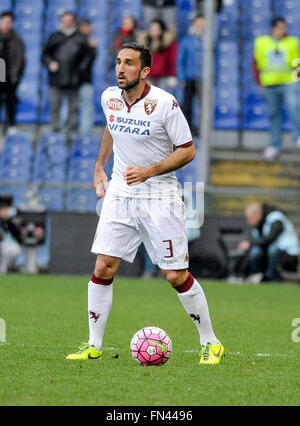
pixel 169 248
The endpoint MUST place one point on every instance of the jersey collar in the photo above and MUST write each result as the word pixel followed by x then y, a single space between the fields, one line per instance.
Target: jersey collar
pixel 143 95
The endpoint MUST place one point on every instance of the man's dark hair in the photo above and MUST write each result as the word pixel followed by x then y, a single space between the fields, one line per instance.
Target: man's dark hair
pixel 198 16
pixel 84 22
pixel 146 56
pixel 276 21
pixel 9 14
pixel 68 12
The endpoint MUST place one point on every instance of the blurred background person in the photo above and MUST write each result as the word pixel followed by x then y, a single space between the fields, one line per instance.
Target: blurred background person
pixel 66 56
pixel 190 67
pixel 219 6
pixel 13 53
pixel 163 46
pixel 274 55
pixel 10 236
pixel 127 32
pixel 274 243
pixel 86 89
pixel 160 9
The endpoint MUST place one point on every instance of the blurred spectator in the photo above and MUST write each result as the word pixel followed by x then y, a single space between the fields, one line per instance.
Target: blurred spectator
pixel 190 66
pixel 219 5
pixel 160 9
pixel 274 243
pixel 162 44
pixel 127 32
pixel 66 56
pixel 10 237
pixel 86 90
pixel 273 68
pixel 13 53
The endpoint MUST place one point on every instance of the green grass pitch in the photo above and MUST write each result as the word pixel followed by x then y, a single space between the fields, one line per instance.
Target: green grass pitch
pixel 46 318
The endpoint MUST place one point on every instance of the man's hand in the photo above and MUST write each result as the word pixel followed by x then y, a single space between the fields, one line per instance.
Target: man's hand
pixel 93 42
pixel 136 174
pixel 3 213
pixel 244 245
pixel 54 66
pixel 100 183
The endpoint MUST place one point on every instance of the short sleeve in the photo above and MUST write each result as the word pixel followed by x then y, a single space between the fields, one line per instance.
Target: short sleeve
pixel 103 102
pixel 175 123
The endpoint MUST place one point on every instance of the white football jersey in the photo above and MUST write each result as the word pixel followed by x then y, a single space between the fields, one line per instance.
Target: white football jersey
pixel 144 134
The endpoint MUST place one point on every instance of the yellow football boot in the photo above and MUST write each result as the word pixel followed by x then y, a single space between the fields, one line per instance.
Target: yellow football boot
pixel 85 352
pixel 212 354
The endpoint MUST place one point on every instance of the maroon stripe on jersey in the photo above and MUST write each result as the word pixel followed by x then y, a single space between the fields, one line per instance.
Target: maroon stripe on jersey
pixel 101 281
pixel 186 285
pixel 145 93
pixel 185 144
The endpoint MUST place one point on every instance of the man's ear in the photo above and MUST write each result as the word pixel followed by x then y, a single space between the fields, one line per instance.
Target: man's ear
pixel 145 72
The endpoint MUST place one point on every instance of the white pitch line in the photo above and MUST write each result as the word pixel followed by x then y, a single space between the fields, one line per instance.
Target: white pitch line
pixel 28 345
pixel 262 355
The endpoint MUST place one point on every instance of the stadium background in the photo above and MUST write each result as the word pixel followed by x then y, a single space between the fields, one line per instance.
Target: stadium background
pixel 60 176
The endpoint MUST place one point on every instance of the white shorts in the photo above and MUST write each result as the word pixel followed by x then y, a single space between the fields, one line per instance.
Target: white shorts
pixel 160 224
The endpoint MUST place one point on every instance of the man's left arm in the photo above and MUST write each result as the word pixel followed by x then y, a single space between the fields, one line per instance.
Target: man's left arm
pixel 179 133
pixel 275 230
pixel 180 157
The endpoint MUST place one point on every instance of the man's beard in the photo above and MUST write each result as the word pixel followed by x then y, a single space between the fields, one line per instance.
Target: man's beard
pixel 132 84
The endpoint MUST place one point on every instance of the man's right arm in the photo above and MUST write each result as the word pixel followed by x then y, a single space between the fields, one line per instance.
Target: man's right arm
pixel 47 56
pixel 106 150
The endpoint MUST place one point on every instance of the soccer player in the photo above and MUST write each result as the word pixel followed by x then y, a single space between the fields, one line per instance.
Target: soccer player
pixel 141 202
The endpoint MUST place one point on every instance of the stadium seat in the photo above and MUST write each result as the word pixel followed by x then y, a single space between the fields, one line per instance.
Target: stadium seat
pixel 81 200
pixel 44 116
pixel 255 115
pixel 52 198
pixel 227 61
pixel 28 94
pixel 5 5
pixel 17 146
pixel 60 6
pixel 18 191
pixel 227 109
pixel 188 173
pixel 229 22
pixel 81 171
pixel 256 6
pixel 127 7
pixel 90 9
pixel 51 159
pixel 28 10
pixel 85 150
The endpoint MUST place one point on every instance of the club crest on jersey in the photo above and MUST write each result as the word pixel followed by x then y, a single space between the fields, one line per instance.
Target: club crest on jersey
pixel 150 105
pixel 115 104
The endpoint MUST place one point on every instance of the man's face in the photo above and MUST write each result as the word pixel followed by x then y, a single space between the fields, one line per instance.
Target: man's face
pixel 253 218
pixel 128 23
pixel 86 29
pixel 129 69
pixel 68 21
pixel 280 30
pixel 199 24
pixel 6 24
pixel 155 30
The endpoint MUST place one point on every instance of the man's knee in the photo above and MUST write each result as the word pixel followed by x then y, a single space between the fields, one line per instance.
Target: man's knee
pixel 256 252
pixel 175 278
pixel 106 266
pixel 273 251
